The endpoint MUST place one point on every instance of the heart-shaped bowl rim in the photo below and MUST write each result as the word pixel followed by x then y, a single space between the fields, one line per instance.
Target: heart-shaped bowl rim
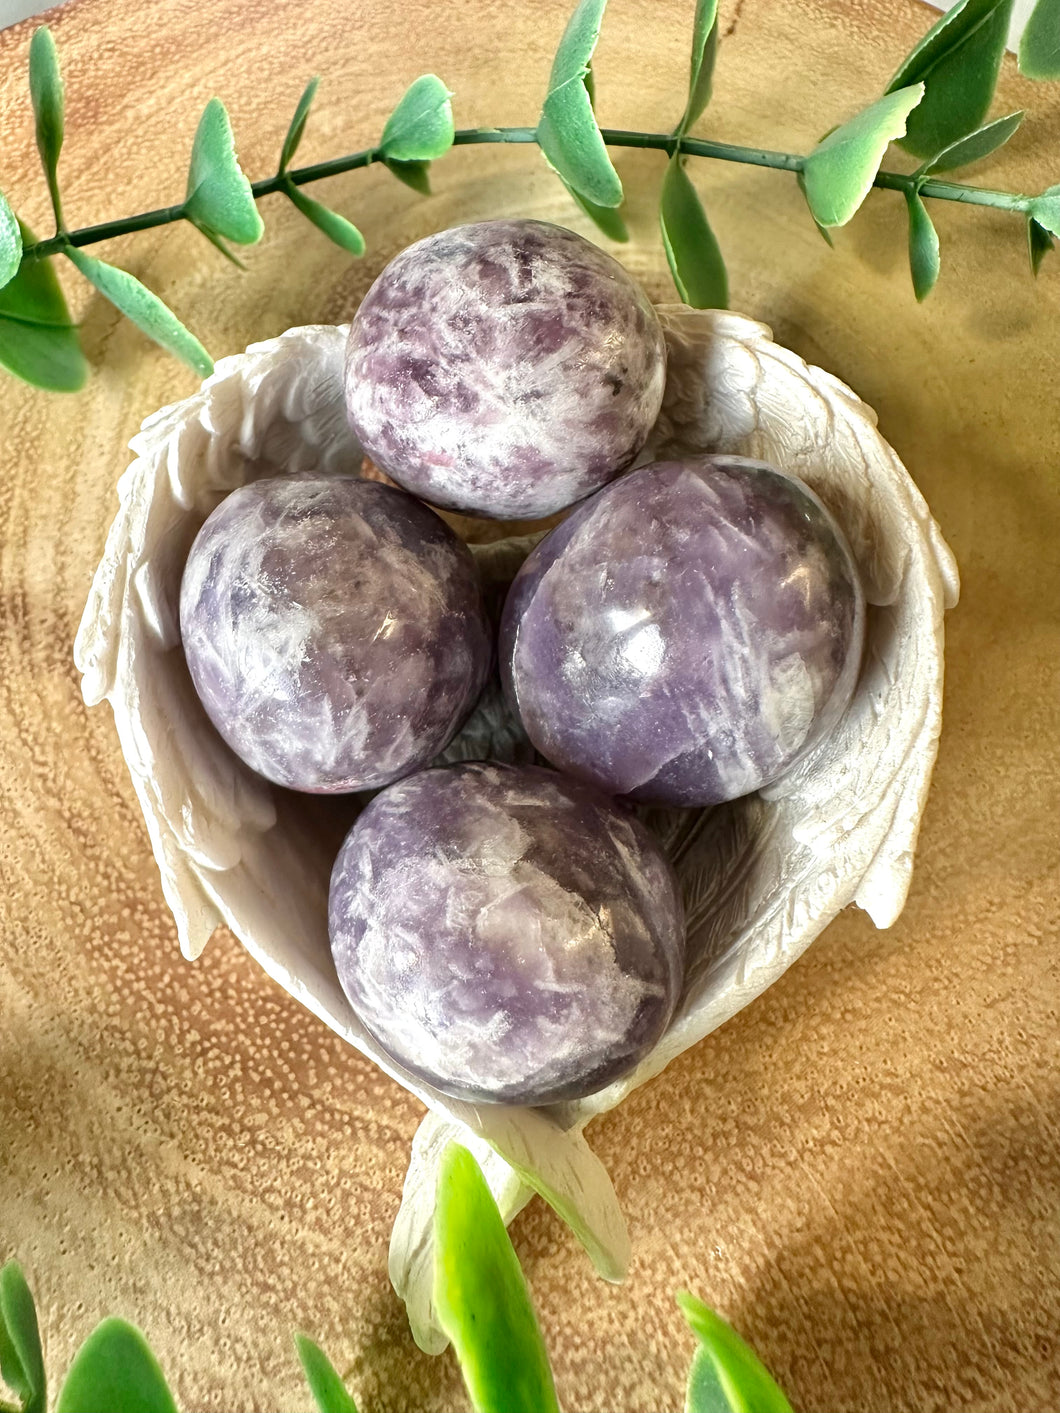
pixel 762 876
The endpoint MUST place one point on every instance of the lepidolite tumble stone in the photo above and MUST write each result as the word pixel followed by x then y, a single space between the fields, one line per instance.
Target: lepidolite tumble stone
pixel 688 635
pixel 334 630
pixel 507 369
pixel 505 934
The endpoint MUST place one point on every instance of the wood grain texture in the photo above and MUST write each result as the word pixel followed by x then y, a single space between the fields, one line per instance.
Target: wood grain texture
pixel 862 1169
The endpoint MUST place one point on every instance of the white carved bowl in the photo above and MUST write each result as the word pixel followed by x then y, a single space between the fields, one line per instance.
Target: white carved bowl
pixel 762 876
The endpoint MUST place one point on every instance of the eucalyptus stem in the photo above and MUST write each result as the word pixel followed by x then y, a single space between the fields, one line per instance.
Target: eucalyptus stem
pixel 613 137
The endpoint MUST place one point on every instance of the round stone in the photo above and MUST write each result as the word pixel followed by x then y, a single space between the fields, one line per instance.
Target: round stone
pixel 687 635
pixel 334 630
pixel 506 935
pixel 507 369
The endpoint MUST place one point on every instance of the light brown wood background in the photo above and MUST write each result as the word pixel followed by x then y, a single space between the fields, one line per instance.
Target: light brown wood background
pixel 862 1170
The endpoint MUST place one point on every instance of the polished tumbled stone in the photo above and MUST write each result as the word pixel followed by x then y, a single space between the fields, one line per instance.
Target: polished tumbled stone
pixel 334 630
pixel 507 368
pixel 688 634
pixel 506 934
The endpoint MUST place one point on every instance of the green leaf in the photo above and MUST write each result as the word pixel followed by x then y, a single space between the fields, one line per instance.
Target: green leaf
pixel 958 61
pixel 607 218
pixel 327 1388
pixel 839 172
pixel 47 356
pixel 46 91
pixel 11 1370
pixel 298 122
pixel 34 295
pixel 949 32
pixel 704 52
pixel 21 1357
pixel 696 261
pixel 10 243
pixel 1039 242
pixel 975 146
pixel 145 309
pixel 219 197
pixel 413 174
pixel 1039 54
pixel 115 1370
pixel 38 341
pixel 590 85
pixel 1045 209
pixel 421 126
pixel 216 240
pixel 567 132
pixel 923 247
pixel 826 236
pixel 334 226
pixel 481 1297
pixel 705 1392
pixel 738 1382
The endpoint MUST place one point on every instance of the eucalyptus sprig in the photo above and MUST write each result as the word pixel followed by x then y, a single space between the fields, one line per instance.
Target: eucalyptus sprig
pixel 935 107
pixel 483 1305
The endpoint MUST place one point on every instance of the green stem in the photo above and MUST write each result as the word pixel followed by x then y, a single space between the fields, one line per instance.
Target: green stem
pixel 614 137
pixel 57 209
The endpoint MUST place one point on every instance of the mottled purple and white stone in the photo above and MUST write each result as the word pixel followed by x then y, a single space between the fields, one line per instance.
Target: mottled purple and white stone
pixel 334 630
pixel 507 935
pixel 687 635
pixel 507 369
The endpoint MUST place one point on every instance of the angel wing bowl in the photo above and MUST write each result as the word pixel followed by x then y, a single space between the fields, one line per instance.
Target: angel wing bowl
pixel 762 876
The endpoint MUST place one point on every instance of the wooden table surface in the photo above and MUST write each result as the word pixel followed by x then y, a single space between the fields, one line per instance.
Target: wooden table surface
pixel 862 1170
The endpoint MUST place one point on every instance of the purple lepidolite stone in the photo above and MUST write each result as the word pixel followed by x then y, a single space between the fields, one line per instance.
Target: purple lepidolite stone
pixel 507 369
pixel 687 635
pixel 334 630
pixel 506 934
